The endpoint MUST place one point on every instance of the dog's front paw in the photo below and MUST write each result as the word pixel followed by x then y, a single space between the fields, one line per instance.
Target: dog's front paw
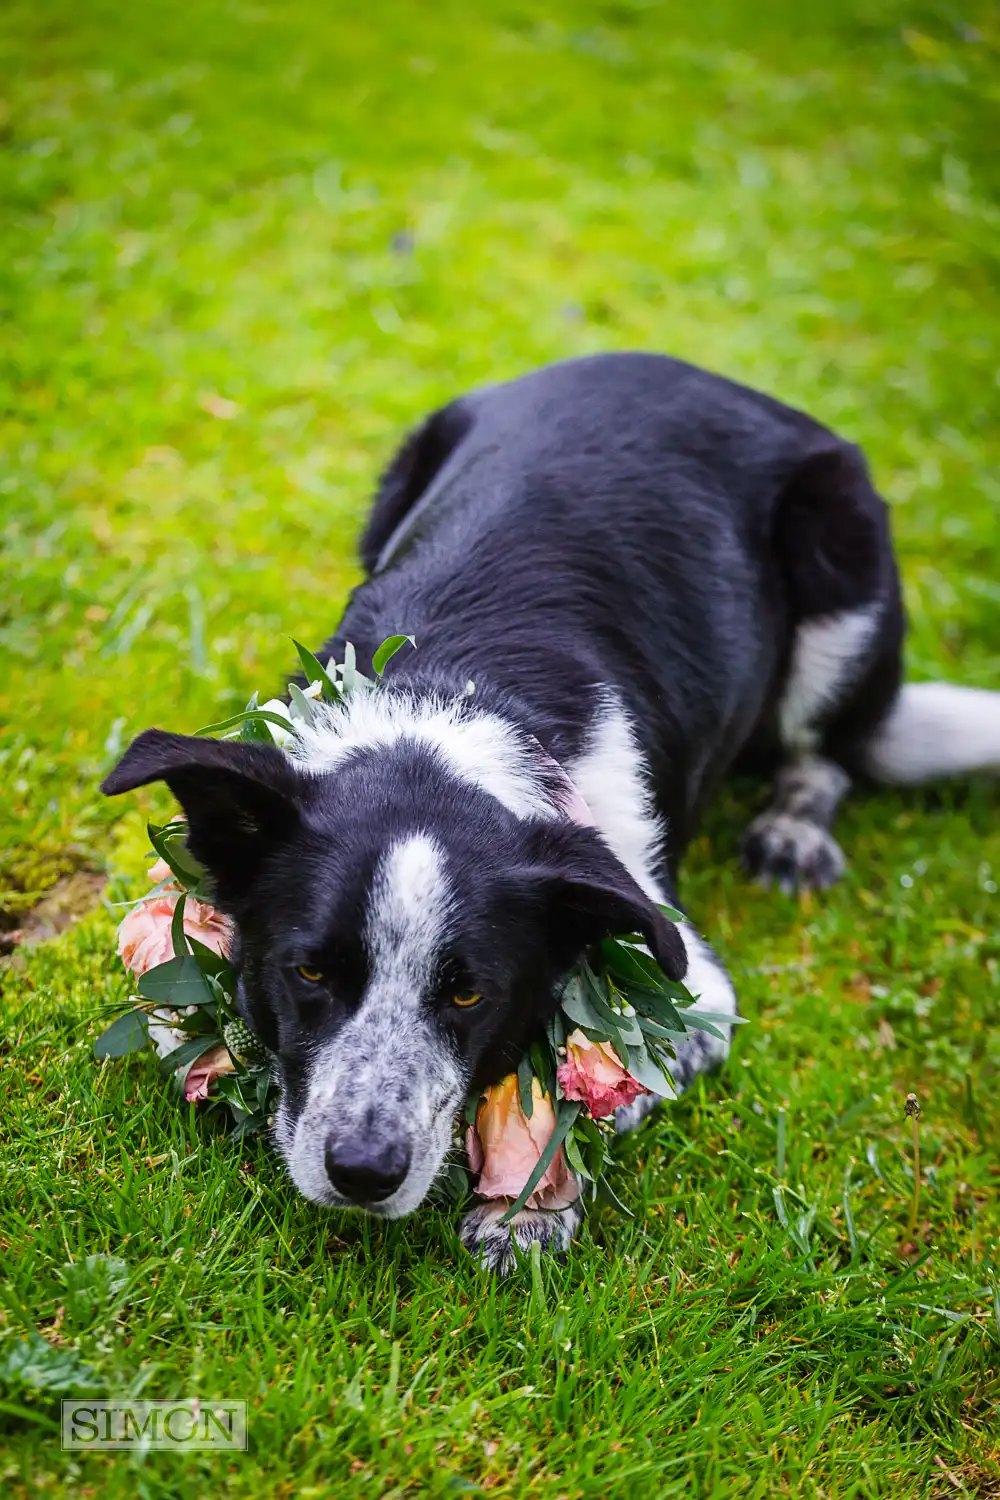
pixel 497 1246
pixel 792 853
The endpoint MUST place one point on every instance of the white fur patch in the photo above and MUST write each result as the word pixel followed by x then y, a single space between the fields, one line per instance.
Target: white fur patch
pixel 480 748
pixel 827 655
pixel 712 988
pixel 700 1051
pixel 611 777
pixel 406 914
pixel 935 729
pixel 389 1068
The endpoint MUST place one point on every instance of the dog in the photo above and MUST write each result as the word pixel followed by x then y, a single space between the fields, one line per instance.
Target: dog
pixel 625 577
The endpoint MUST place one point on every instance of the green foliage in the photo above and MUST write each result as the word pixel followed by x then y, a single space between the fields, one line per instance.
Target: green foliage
pixel 244 248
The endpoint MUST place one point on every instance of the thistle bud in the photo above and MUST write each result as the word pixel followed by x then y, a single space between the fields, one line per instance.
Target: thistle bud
pixel 242 1043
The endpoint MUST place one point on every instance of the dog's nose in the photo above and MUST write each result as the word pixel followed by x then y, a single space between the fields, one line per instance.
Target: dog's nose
pixel 366 1171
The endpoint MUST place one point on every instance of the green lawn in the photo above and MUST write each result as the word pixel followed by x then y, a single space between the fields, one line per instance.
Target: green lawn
pixel 243 245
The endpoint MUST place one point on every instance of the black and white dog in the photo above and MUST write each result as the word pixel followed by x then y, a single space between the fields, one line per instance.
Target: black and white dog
pixel 647 573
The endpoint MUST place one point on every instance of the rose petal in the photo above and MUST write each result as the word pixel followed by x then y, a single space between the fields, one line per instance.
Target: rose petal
pixel 593 1073
pixel 145 938
pixel 206 1068
pixel 509 1146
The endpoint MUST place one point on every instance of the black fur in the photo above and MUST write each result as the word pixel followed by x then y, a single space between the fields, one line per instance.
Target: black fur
pixel 630 519
pixel 623 521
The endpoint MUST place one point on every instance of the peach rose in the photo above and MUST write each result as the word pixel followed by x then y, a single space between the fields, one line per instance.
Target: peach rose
pixel 593 1073
pixel 209 1066
pixel 504 1147
pixel 144 936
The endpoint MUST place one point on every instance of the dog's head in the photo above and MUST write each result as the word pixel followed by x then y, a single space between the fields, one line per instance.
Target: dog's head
pixel 400 938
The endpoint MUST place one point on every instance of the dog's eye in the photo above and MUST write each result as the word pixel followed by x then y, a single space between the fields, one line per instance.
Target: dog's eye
pixel 311 976
pixel 465 1002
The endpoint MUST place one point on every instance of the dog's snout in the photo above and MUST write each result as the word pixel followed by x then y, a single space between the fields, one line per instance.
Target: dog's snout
pixel 366 1171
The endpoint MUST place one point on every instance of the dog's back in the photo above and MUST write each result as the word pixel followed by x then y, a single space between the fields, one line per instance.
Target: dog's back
pixel 606 520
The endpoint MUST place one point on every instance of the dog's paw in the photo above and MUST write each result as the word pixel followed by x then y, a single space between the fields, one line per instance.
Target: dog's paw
pixel 497 1246
pixel 792 853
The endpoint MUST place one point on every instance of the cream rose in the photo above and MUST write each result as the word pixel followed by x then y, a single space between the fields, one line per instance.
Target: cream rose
pixel 504 1147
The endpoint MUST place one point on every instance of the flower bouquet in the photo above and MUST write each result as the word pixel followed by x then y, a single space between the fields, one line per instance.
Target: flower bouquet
pixel 533 1138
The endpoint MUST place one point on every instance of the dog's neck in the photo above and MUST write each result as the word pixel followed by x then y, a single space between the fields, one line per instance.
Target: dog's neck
pixel 490 749
pixel 482 740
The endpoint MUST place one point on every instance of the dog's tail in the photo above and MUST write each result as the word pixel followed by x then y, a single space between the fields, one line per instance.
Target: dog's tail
pixel 935 730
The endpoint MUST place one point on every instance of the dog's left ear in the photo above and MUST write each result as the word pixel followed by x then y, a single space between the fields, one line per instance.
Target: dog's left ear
pixel 589 894
pixel 241 800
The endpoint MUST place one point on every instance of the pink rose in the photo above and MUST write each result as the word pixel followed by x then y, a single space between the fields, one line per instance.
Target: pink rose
pixel 504 1147
pixel 161 871
pixel 209 1066
pixel 144 936
pixel 593 1073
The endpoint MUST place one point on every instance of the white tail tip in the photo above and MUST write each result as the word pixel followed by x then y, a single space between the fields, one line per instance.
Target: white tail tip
pixel 935 730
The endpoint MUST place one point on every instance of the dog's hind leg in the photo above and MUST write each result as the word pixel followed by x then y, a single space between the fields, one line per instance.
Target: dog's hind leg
pixel 833 545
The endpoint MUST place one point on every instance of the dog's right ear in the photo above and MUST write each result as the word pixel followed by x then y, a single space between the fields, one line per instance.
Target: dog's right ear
pixel 240 799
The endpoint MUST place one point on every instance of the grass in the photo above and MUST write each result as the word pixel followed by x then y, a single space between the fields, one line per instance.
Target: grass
pixel 242 247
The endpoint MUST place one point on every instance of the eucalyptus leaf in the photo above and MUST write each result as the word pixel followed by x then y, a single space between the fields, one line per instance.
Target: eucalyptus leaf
pixel 555 1030
pixel 545 1063
pixel 717 1017
pixel 314 671
pixel 349 671
pixel 188 1052
pixel 212 964
pixel 629 1029
pixel 126 1034
pixel 655 1006
pixel 577 1005
pixel 178 937
pixel 176 983
pixel 645 1069
pixel 201 1022
pixel 653 1029
pixel 383 656
pixel 261 715
pixel 607 1023
pixel 525 1075
pixel 633 964
pixel 671 913
pixel 169 843
pixel 302 707
pixel 606 1192
pixel 575 1156
pixel 694 1021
